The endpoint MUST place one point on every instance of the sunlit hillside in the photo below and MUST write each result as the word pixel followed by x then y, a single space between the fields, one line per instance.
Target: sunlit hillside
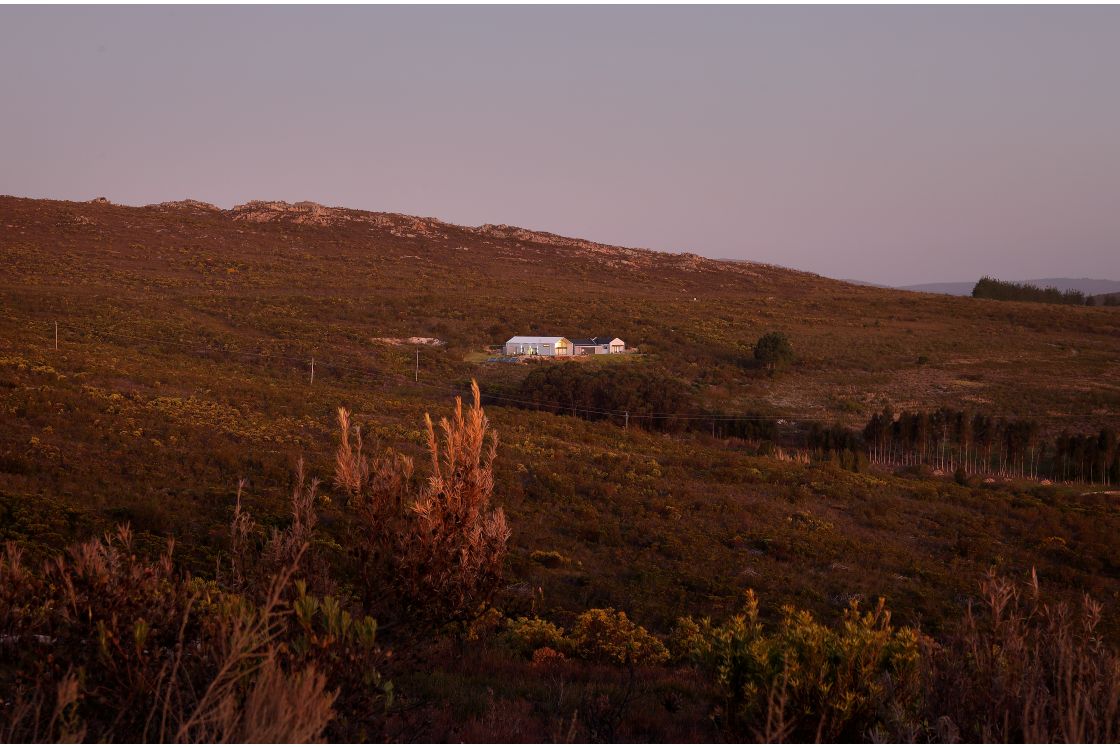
pixel 153 357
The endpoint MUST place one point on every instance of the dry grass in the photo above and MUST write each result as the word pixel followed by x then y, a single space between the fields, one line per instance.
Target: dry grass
pixel 796 456
pixel 1023 668
pixel 255 558
pixel 278 707
pixel 251 698
pixel 102 645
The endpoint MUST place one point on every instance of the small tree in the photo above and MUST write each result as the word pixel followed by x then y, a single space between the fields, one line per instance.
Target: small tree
pixel 774 351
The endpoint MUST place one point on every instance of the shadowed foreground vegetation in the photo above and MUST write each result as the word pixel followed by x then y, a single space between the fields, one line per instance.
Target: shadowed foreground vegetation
pixel 101 644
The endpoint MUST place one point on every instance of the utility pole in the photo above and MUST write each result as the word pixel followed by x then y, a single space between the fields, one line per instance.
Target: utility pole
pixel 626 424
pixel 56 335
pixel 312 369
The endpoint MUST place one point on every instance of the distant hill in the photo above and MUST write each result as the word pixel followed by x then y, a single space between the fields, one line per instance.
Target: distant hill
pixel 853 281
pixel 949 289
pixel 1088 286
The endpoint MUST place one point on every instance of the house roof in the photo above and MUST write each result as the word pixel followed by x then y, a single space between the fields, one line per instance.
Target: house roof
pixel 601 340
pixel 526 340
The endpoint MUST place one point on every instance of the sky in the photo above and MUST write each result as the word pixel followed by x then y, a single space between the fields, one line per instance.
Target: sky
pixel 889 144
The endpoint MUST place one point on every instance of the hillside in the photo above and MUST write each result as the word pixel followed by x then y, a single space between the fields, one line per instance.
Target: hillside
pixel 186 335
pixel 295 278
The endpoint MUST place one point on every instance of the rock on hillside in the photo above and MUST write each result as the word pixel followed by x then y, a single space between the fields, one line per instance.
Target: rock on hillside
pixel 411 227
pixel 616 256
pixel 261 211
pixel 197 205
pixel 312 213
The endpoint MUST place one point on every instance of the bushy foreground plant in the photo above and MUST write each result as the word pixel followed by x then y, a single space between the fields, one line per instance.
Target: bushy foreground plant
pixel 804 681
pixel 428 554
pixel 1022 668
pixel 600 635
pixel 609 635
pixel 101 645
pixel 319 628
pixel 528 634
pixel 255 558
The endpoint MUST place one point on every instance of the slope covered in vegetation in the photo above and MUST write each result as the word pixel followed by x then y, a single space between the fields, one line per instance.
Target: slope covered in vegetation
pixel 186 336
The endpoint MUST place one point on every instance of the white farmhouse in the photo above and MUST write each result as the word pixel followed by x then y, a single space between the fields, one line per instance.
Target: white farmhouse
pixel 550 346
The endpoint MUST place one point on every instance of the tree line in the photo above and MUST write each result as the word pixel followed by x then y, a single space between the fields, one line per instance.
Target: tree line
pixel 633 397
pixel 653 401
pixel 946 438
pixel 955 439
pixel 1001 290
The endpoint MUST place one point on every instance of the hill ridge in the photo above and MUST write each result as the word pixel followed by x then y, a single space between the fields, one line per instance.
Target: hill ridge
pixel 405 226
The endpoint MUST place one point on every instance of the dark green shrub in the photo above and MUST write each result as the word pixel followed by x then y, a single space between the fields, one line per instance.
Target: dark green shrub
pixel 774 351
pixel 652 399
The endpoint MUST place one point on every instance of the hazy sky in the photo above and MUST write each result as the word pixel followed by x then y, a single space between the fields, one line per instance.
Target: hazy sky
pixel 897 145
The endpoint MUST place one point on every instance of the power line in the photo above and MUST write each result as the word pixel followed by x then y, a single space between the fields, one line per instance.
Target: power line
pixel 387 377
pixel 92 332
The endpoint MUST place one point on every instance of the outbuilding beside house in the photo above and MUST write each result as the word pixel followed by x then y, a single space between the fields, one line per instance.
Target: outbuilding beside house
pixel 598 345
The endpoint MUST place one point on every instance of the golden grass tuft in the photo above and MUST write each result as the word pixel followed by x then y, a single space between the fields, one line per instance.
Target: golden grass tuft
pixel 433 552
